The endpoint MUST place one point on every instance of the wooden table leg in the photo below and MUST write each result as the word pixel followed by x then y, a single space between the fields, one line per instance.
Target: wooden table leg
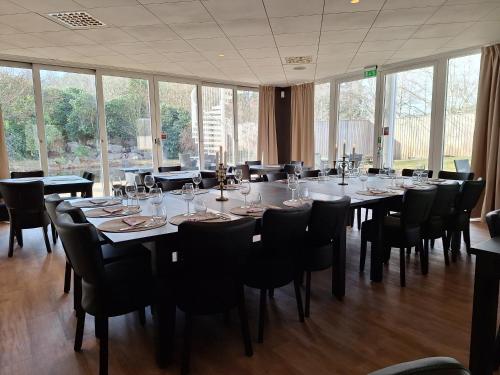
pixel 338 266
pixel 377 246
pixel 484 317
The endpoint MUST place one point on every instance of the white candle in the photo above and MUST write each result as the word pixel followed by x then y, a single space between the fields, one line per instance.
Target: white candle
pixel 217 157
pixel 225 157
pixel 353 149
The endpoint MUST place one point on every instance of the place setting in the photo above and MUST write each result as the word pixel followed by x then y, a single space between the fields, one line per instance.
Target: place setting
pixel 255 209
pixel 303 193
pixel 133 224
pixel 96 202
pixel 114 211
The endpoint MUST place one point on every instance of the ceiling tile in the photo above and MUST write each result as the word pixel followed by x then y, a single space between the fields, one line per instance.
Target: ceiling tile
pixel 198 30
pixel 56 52
pixel 441 30
pixel 4 29
pixel 168 46
pixel 230 10
pixel 301 24
pixel 47 6
pixel 461 13
pixel 494 15
pixel 25 40
pixel 8 7
pixel 340 6
pixel 107 3
pixel 131 48
pixel 344 21
pixel 125 16
pixel 107 35
pixel 93 50
pixel 343 36
pixel 253 41
pixel 400 4
pixel 391 33
pixel 429 43
pixel 403 17
pixel 247 27
pixel 402 55
pixel 151 57
pixel 259 53
pixel 370 58
pixel 480 33
pixel 64 38
pixel 336 59
pixel 298 51
pixel 381 45
pixel 284 8
pixel 151 32
pixel 211 44
pixel 166 67
pixel 184 57
pixel 338 48
pixel 183 12
pixel 297 39
pixel 229 58
pixel 30 23
pixel 263 62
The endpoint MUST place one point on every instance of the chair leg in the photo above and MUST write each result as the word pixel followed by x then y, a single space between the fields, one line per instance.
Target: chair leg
pixel 77 292
pixel 142 316
pixel 362 255
pixel 467 237
pixel 67 277
pixel 358 217
pixel 46 238
pixel 19 237
pixel 186 350
pixel 103 346
pixel 424 256
pixel 497 351
pixel 245 331
pixel 402 267
pixel 271 293
pixel 11 241
pixel 262 315
pixel 80 325
pixel 366 213
pixel 445 249
pixel 432 243
pixel 298 297
pixel 308 294
pixel 408 251
pixel 54 233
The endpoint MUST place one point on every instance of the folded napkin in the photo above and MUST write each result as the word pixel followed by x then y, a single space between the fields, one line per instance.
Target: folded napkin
pixel 378 191
pixel 133 221
pixel 255 210
pixel 203 217
pixel 113 210
pixel 98 201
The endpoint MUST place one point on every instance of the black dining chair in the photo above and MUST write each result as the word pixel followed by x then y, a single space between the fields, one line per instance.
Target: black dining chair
pixel 297 162
pixel 4 214
pixel 25 205
pixel 309 174
pixel 253 162
pixel 407 172
pixel 208 183
pixel 169 185
pixel 208 174
pixel 108 290
pixel 402 231
pixel 208 277
pixel 88 176
pixel 141 176
pixel 425 366
pixel 174 168
pixel 271 177
pixel 459 176
pixel 442 208
pixel 289 168
pixel 377 170
pixel 51 202
pixel 23 174
pixel 245 171
pixel 325 231
pixel 274 260
pixel 459 221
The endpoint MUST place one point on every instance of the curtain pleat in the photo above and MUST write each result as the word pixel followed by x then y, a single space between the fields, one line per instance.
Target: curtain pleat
pixel 4 157
pixel 303 123
pixel 267 147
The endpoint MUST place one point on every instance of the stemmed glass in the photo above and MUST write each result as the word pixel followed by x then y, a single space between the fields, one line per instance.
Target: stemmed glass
pixel 293 183
pixel 160 214
pixel 149 181
pixel 197 179
pixel 257 201
pixel 188 195
pixel 199 206
pixel 363 177
pixel 130 190
pixel 298 169
pixel 245 189
pixel 238 174
pixel 116 183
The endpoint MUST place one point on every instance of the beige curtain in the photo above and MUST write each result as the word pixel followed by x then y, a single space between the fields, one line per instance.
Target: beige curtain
pixel 303 123
pixel 486 151
pixel 267 147
pixel 4 158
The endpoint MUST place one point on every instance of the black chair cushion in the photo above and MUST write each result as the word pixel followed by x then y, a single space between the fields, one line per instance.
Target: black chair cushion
pixel 434 227
pixel 493 221
pixel 394 235
pixel 112 253
pixel 317 258
pixel 426 366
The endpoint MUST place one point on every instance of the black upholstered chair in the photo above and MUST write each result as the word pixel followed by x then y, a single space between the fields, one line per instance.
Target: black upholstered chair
pixel 460 176
pixel 140 176
pixel 253 162
pixel 25 205
pixel 207 183
pixel 402 231
pixel 271 177
pixel 88 176
pixel 108 290
pixel 406 172
pixel 169 169
pixel 493 221
pixel 312 173
pixel 326 228
pixel 289 168
pixel 168 185
pixel 209 274
pixel 459 220
pixel 51 202
pixel 4 214
pixel 208 174
pixel 245 171
pixel 442 208
pixel 425 366
pixel 26 174
pixel 274 260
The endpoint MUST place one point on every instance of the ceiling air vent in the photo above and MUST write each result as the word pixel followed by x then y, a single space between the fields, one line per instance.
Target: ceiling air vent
pixel 76 20
pixel 299 60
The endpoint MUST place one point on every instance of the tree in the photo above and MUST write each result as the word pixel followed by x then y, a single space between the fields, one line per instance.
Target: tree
pixel 176 123
pixel 120 122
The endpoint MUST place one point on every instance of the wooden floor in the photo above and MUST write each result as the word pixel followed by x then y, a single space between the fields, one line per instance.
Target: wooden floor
pixel 375 326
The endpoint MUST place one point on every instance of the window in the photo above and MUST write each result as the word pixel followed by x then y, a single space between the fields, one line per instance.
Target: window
pixel 407 118
pixel 18 109
pixel 71 128
pixel 218 124
pixel 248 124
pixel 321 122
pixel 356 119
pixel 179 115
pixel 461 97
pixel 128 124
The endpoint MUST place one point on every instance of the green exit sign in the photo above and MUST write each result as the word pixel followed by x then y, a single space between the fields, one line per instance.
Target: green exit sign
pixel 370 72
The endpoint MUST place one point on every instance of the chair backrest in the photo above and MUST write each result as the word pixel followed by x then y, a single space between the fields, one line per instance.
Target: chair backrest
pixel 211 259
pixel 328 220
pixel 283 231
pixel 169 185
pixel 407 172
pixel 333 171
pixel 207 174
pixel 373 170
pixel 140 177
pixel 169 169
pixel 207 183
pixel 297 162
pixel 271 177
pixel 51 203
pixel 469 195
pixel 312 173
pixel 289 168
pixel 245 169
pixel 23 197
pixel 493 221
pixel 88 176
pixel 253 162
pixel 82 247
pixel 417 205
pixel 446 196
pixel 75 213
pixel 185 160
pixel 456 175
pixel 26 174
pixel 462 165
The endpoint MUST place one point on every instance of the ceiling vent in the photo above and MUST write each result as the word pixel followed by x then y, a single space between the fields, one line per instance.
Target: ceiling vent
pixel 76 20
pixel 299 60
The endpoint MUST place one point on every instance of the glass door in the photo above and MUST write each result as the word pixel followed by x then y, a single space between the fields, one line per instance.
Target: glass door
pixel 247 123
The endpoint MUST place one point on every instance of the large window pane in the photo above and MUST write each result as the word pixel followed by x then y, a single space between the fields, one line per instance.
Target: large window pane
pixel 218 124
pixel 356 118
pixel 178 108
pixel 128 124
pixel 407 118
pixel 71 128
pixel 19 118
pixel 463 80
pixel 248 124
pixel 321 122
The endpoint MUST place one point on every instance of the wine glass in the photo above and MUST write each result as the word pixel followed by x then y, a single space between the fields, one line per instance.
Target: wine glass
pixel 149 181
pixel 197 179
pixel 304 193
pixel 141 192
pixel 256 201
pixel 118 194
pixel 188 195
pixel 116 182
pixel 159 214
pixel 363 177
pixel 298 169
pixel 199 206
pixel 415 176
pixel 130 190
pixel 238 174
pixel 245 189
pixel 424 177
pixel 293 182
pixel 156 196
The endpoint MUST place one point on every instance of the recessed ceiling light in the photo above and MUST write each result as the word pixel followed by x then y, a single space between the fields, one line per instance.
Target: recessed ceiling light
pixel 221 55
pixel 299 68
pixel 354 1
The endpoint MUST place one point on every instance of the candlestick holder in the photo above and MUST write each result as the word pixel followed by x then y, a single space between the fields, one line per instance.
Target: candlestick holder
pixel 343 164
pixel 220 173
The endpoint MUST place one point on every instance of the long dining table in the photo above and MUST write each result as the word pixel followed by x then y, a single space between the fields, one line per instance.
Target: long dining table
pixel 162 241
pixel 59 184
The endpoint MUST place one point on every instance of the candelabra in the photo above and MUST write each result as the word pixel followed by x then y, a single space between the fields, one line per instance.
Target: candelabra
pixel 220 173
pixel 343 164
